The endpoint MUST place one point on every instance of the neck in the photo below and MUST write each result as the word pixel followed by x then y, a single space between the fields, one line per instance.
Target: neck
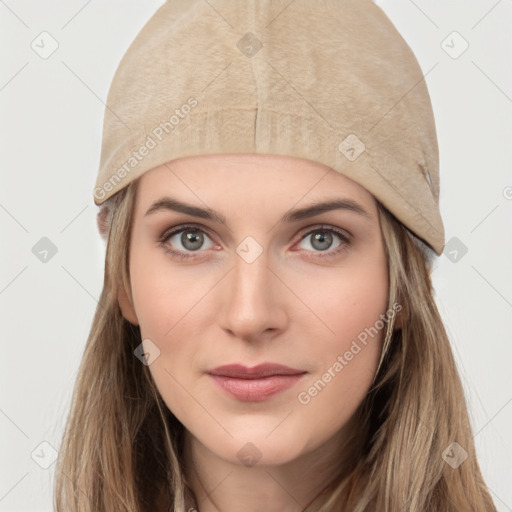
pixel 222 486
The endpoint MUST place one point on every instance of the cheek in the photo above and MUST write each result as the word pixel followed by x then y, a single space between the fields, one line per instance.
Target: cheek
pixel 163 295
pixel 162 319
pixel 348 302
pixel 167 302
pixel 353 305
pixel 155 306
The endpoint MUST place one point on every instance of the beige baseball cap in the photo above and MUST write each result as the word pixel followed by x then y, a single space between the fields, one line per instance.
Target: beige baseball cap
pixel 330 81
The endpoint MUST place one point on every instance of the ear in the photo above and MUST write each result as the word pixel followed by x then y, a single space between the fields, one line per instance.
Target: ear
pixel 126 306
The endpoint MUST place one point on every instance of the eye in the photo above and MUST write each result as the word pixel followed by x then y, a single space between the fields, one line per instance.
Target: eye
pixel 186 239
pixel 321 240
pixel 190 239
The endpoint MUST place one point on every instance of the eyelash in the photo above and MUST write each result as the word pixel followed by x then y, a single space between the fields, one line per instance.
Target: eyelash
pixel 164 237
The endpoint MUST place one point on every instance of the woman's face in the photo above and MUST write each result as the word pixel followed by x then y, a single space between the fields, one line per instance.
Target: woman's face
pixel 260 276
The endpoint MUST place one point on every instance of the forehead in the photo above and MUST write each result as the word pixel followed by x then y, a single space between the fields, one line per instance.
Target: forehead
pixel 270 177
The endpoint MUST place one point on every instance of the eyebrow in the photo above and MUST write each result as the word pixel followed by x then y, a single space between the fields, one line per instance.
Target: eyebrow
pixel 172 204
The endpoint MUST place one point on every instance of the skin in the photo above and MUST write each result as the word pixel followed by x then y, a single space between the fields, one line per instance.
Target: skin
pixel 289 306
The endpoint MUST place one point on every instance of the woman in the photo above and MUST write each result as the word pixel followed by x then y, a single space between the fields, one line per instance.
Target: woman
pixel 267 336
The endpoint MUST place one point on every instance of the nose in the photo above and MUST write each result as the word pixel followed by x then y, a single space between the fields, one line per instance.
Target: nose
pixel 253 300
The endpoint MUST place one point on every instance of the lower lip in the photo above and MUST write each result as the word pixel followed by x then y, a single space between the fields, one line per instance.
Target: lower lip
pixel 256 390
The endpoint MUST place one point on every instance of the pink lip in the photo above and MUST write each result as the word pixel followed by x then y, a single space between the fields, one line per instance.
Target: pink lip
pixel 257 383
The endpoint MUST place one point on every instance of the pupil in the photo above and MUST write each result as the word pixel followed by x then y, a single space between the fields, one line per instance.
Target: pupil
pixel 190 237
pixel 193 238
pixel 322 237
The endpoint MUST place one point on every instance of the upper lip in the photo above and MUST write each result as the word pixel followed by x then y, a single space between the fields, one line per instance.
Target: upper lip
pixel 255 372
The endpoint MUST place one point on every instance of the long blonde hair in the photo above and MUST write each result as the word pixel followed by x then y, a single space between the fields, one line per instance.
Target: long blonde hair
pixel 122 447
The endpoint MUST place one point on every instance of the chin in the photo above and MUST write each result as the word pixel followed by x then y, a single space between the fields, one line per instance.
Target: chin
pixel 258 441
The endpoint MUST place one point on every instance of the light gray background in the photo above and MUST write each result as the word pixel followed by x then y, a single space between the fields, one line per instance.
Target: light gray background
pixel 51 121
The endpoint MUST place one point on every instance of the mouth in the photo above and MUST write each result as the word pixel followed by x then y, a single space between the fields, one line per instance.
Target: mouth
pixel 257 383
